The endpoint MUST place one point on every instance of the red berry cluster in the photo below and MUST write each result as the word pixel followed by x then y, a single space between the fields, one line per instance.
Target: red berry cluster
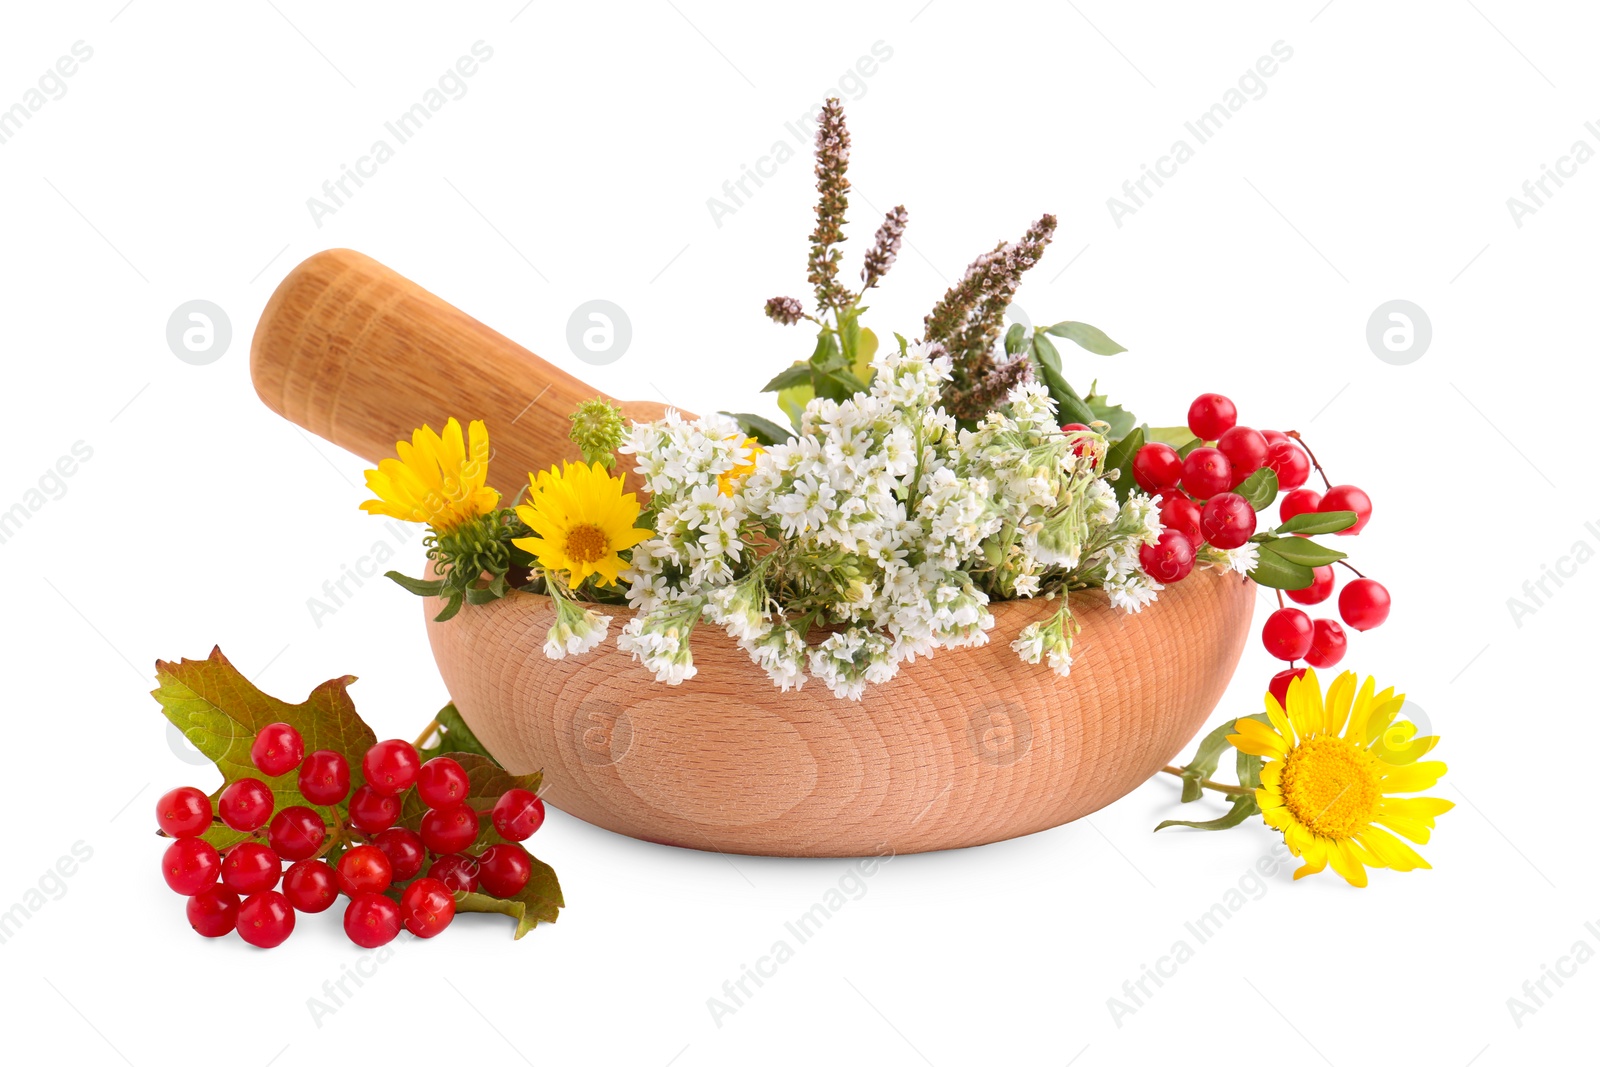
pixel 378 867
pixel 1199 507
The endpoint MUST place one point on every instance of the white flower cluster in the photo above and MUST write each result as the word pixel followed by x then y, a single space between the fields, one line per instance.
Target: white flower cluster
pixel 883 523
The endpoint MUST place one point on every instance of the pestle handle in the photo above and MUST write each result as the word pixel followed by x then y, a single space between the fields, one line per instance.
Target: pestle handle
pixel 361 356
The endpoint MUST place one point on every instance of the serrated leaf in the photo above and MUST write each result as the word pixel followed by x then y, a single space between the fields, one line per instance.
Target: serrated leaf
pixel 1240 809
pixel 539 902
pixel 1301 551
pixel 764 430
pixel 220 712
pixel 1260 489
pixel 797 374
pixel 1119 458
pixel 1318 522
pixel 1275 572
pixel 1086 337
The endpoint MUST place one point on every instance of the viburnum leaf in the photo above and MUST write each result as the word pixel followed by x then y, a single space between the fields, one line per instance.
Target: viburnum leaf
pixel 539 902
pixel 453 736
pixel 220 712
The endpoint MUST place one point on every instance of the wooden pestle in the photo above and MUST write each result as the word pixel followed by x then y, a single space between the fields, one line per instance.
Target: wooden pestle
pixel 361 356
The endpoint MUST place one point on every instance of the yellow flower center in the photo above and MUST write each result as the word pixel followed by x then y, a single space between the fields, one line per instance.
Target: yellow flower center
pixel 1330 786
pixel 586 543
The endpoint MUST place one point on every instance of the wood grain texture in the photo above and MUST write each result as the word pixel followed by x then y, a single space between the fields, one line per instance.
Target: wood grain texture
pixel 361 356
pixel 969 747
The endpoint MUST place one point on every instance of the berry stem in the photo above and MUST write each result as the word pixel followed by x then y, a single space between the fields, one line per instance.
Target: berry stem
pixel 1342 563
pixel 427 734
pixel 1280 599
pixel 1320 472
pixel 1221 787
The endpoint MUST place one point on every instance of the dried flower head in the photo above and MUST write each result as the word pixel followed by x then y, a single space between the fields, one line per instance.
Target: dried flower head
pixel 885 247
pixel 833 188
pixel 785 309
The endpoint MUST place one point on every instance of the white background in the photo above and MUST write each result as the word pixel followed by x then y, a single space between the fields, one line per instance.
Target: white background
pixel 577 166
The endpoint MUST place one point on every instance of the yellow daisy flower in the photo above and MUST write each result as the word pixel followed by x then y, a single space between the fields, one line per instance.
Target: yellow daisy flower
pixel 438 479
pixel 729 479
pixel 582 518
pixel 1333 766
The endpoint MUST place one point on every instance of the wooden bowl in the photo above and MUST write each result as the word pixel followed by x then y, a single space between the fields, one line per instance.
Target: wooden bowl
pixel 969 747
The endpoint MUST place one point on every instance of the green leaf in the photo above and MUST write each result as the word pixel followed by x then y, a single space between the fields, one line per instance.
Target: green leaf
pixel 1119 458
pixel 452 736
pixel 1241 808
pixel 1275 572
pixel 1203 764
pixel 866 348
pixel 1299 550
pixel 539 902
pixel 1176 436
pixel 793 401
pixel 220 712
pixel 1260 489
pixel 798 374
pixel 1086 337
pixel 1120 420
pixel 764 430
pixel 1016 338
pixel 1047 363
pixel 416 585
pixel 1318 522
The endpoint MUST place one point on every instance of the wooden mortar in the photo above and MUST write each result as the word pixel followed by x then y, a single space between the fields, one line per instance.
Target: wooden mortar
pixel 969 747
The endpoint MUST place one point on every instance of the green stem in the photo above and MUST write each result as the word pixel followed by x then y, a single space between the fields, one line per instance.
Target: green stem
pixel 1221 787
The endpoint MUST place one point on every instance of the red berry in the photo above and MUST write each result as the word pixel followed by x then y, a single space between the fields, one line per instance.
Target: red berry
pixel 1298 502
pixel 184 812
pixel 1274 436
pixel 266 920
pixel 1348 498
pixel 427 906
pixel 1206 472
pixel 325 777
pixel 296 833
pixel 213 912
pixel 1227 520
pixel 459 873
pixel 504 869
pixel 1157 468
pixel 1180 513
pixel 372 812
pixel 1211 415
pixel 442 783
pixel 1328 644
pixel 364 869
pixel 1170 559
pixel 391 766
pixel 1245 448
pixel 1287 633
pixel 372 920
pixel 1320 589
pixel 518 813
pixel 190 866
pixel 246 805
pixel 1083 444
pixel 1280 684
pixel 278 749
pixel 449 829
pixel 405 851
pixel 250 867
pixel 1290 463
pixel 311 886
pixel 1363 604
